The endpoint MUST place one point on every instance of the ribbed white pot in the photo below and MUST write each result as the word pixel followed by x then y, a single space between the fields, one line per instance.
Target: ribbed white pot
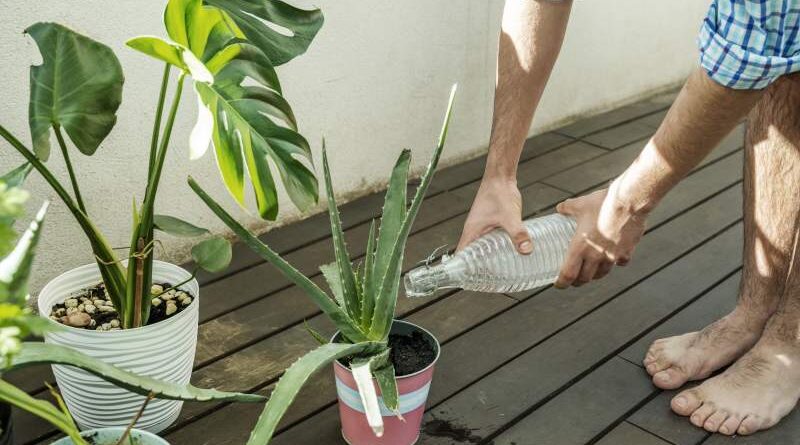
pixel 164 351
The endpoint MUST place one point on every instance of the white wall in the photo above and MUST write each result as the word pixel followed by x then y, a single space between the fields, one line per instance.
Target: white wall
pixel 375 81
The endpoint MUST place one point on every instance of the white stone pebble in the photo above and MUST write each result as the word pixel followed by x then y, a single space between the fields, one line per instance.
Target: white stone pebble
pixel 92 323
pixel 71 310
pixel 186 301
pixel 114 323
pixel 105 326
pixel 71 302
pixel 90 308
pixel 168 295
pixel 156 289
pixel 106 309
pixel 171 308
pixel 156 301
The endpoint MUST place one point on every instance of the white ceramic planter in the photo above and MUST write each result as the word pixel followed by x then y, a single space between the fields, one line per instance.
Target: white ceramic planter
pixel 110 436
pixel 164 351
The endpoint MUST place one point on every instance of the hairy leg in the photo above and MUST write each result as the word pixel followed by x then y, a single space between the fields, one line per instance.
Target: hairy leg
pixel 764 384
pixel 694 356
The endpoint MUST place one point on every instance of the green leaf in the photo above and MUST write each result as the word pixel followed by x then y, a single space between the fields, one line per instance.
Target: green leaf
pixel 14 396
pixel 15 268
pixel 317 336
pixel 346 275
pixel 177 227
pixel 213 254
pixel 348 328
pixel 158 48
pixel 242 135
pixel 43 353
pixel 387 382
pixel 386 299
pixel 281 30
pixel 78 87
pixel 331 273
pixel 295 377
pixel 17 176
pixel 368 284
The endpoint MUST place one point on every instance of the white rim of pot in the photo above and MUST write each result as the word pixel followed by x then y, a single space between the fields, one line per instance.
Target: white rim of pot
pixel 415 326
pixel 174 319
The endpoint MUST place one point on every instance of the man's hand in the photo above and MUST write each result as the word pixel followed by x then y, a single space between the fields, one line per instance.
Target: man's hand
pixel 607 233
pixel 497 204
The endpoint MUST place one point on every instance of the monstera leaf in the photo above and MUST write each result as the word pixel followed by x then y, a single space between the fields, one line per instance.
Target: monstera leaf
pixel 78 87
pixel 290 30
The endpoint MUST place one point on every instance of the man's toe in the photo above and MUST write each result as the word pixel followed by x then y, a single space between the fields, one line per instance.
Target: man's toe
pixel 749 425
pixel 700 415
pixel 686 402
pixel 715 421
pixel 670 378
pixel 730 426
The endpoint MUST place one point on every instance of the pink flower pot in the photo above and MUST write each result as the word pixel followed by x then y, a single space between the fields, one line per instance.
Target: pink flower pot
pixel 413 391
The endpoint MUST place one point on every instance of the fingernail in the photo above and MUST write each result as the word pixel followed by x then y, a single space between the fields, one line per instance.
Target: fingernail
pixel 526 246
pixel 681 402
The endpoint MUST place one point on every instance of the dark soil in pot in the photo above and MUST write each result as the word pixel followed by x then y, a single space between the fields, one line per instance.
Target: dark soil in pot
pixel 92 309
pixel 409 353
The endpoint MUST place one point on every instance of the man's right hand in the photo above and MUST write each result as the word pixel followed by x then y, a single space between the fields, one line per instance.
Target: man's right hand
pixel 498 204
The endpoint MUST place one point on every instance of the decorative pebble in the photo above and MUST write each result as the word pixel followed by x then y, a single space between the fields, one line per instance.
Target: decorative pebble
pixel 61 311
pixel 90 308
pixel 114 323
pixel 106 309
pixel 71 310
pixel 92 323
pixel 156 301
pixel 105 326
pixel 181 295
pixel 71 302
pixel 186 301
pixel 171 308
pixel 156 289
pixel 78 320
pixel 81 308
pixel 168 295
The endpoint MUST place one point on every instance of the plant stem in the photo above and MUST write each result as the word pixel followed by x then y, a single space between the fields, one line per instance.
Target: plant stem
pixel 72 178
pixel 157 124
pixel 135 419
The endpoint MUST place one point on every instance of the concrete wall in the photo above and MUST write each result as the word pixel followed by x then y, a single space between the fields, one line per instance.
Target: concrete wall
pixel 375 81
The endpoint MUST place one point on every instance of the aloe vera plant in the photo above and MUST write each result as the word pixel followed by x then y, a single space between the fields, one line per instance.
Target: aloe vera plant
pixel 229 50
pixel 364 297
pixel 16 322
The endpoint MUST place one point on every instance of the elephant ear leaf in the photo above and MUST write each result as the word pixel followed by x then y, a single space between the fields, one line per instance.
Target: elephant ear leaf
pixel 281 30
pixel 78 87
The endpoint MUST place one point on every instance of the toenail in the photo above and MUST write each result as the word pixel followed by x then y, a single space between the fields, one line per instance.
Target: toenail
pixel 681 402
pixel 724 430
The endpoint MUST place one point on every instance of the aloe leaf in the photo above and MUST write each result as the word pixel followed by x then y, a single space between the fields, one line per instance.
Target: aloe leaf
pixel 387 293
pixel 15 268
pixel 290 30
pixel 313 332
pixel 177 227
pixel 346 274
pixel 362 375
pixel 78 87
pixel 325 303
pixel 14 396
pixel 295 377
pixel 387 382
pixel 43 353
pixel 213 254
pixel 331 273
pixel 368 284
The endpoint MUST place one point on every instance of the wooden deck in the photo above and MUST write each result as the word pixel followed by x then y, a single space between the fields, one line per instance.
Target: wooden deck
pixel 544 367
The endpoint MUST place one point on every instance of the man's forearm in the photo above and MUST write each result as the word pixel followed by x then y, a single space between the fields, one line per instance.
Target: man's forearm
pixel 702 115
pixel 530 41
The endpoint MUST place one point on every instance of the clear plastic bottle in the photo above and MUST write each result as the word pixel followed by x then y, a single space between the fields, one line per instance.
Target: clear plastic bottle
pixel 492 264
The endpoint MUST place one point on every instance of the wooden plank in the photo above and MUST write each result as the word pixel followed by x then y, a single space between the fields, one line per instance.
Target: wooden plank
pixel 611 118
pixel 583 411
pixel 496 399
pixel 627 434
pixel 787 432
pixel 654 120
pixel 588 175
pixel 536 319
pixel 615 137
pixel 555 161
pixel 657 417
pixel 445 319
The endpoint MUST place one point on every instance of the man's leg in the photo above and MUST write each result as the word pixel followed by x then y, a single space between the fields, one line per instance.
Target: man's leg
pixel 764 384
pixel 675 360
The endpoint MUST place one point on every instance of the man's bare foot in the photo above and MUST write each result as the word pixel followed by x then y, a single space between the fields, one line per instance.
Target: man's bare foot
pixel 676 360
pixel 752 395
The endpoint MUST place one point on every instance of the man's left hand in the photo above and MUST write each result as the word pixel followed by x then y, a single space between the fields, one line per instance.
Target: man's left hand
pixel 607 233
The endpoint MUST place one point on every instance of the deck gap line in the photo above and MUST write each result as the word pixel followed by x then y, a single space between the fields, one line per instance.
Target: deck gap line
pixel 620 123
pixel 581 317
pixel 376 214
pixel 630 361
pixel 623 418
pixel 525 413
pixel 650 432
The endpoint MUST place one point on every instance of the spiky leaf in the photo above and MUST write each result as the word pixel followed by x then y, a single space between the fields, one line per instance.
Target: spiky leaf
pixel 15 268
pixel 331 273
pixel 325 303
pixel 295 377
pixel 78 87
pixel 368 281
pixel 387 292
pixel 43 353
pixel 46 411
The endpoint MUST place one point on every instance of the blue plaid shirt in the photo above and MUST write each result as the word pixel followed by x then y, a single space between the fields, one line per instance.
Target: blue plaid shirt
pixel 747 44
